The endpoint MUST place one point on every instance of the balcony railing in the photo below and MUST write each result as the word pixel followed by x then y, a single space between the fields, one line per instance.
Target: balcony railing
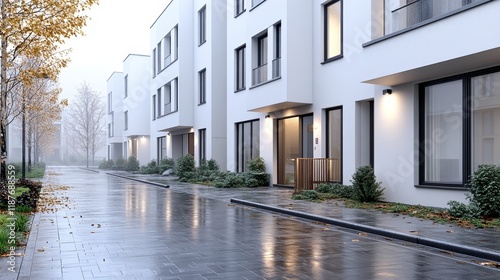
pixel 309 172
pixel 276 68
pixel 420 10
pixel 259 74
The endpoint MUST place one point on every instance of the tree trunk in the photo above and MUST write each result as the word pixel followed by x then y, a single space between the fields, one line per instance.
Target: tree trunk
pixel 3 103
pixel 30 133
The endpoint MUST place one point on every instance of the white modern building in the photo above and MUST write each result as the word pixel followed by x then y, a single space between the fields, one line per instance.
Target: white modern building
pixel 188 90
pixel 411 88
pixel 306 80
pixel 128 110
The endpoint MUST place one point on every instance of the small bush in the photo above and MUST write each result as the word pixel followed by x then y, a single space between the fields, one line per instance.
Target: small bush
pixel 185 164
pixel 4 241
pixel 310 195
pixel 166 164
pixel 257 165
pixel 230 180
pixel 364 184
pixel 150 168
pixel 132 164
pixel 337 190
pixel 120 164
pixel 485 190
pixel 212 165
pixel 29 198
pixel 106 164
pixel 22 223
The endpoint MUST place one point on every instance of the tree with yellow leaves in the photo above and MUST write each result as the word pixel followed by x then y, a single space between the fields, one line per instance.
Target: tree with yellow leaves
pixel 34 30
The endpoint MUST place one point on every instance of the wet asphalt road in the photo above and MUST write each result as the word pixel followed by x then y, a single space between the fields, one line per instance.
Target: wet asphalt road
pixel 105 227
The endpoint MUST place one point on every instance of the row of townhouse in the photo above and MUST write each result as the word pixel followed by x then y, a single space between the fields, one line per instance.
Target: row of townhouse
pixel 409 87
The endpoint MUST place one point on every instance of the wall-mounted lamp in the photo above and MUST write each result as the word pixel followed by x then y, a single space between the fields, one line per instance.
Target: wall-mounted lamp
pixel 268 116
pixel 168 133
pixel 387 91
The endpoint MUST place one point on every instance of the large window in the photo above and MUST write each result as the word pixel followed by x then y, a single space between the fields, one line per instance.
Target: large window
pixel 167 98
pixel 202 25
pixel 202 142
pixel 247 143
pixel 153 58
pixel 240 68
pixel 202 84
pixel 459 127
pixel 333 30
pixel 159 62
pixel 401 14
pixel 162 148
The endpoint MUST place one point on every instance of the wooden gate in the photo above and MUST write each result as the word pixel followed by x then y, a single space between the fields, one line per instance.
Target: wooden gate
pixel 309 172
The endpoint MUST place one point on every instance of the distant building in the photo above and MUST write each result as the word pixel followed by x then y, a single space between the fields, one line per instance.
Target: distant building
pixel 128 110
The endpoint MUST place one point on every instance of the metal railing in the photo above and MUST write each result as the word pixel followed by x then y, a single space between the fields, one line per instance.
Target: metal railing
pixel 259 74
pixel 276 68
pixel 309 172
pixel 420 10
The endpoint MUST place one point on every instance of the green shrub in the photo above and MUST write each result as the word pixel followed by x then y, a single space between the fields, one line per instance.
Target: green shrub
pixel 28 198
pixel 150 168
pixel 256 165
pixel 485 190
pixel 364 184
pixel 132 164
pixel 4 241
pixel 120 164
pixel 22 223
pixel 106 164
pixel 337 190
pixel 230 180
pixel 185 164
pixel 212 165
pixel 310 195
pixel 166 164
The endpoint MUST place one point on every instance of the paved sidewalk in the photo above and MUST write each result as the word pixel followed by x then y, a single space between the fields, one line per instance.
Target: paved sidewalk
pixel 481 243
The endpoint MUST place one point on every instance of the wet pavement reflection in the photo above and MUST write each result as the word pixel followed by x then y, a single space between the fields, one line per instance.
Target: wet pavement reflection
pixel 115 228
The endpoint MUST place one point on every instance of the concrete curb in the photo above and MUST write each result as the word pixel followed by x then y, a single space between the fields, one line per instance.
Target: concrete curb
pixel 443 245
pixel 88 169
pixel 139 180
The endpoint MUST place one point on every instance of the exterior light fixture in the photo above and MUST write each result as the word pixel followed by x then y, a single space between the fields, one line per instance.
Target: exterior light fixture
pixel 387 91
pixel 268 116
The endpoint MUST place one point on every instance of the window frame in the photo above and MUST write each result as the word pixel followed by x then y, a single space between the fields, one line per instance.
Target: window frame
pixel 467 128
pixel 160 148
pixel 202 86
pixel 239 7
pixel 153 107
pixel 327 59
pixel 125 86
pixel 202 25
pixel 125 120
pixel 240 143
pixel 202 145
pixel 239 63
pixel 110 102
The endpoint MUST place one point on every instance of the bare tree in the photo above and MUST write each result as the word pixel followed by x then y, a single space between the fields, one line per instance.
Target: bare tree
pixel 87 121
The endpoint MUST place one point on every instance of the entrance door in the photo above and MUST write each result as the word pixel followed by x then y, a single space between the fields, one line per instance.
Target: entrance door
pixel 295 140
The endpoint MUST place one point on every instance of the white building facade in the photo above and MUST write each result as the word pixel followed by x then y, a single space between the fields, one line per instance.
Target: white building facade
pixel 306 80
pixel 128 110
pixel 411 88
pixel 188 90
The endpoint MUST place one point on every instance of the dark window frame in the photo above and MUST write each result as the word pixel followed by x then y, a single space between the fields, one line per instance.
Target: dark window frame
pixel 202 25
pixel 240 143
pixel 327 59
pixel 327 123
pixel 239 7
pixel 202 142
pixel 239 63
pixel 467 128
pixel 202 86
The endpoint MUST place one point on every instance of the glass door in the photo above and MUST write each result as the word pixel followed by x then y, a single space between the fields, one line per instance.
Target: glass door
pixel 295 140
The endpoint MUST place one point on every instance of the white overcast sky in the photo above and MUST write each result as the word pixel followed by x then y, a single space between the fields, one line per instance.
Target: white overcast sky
pixel 116 28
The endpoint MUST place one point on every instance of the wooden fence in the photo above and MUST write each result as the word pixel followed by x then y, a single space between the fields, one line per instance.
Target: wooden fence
pixel 309 172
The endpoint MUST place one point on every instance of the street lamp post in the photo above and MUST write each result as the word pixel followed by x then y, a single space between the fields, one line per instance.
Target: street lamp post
pixel 23 150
